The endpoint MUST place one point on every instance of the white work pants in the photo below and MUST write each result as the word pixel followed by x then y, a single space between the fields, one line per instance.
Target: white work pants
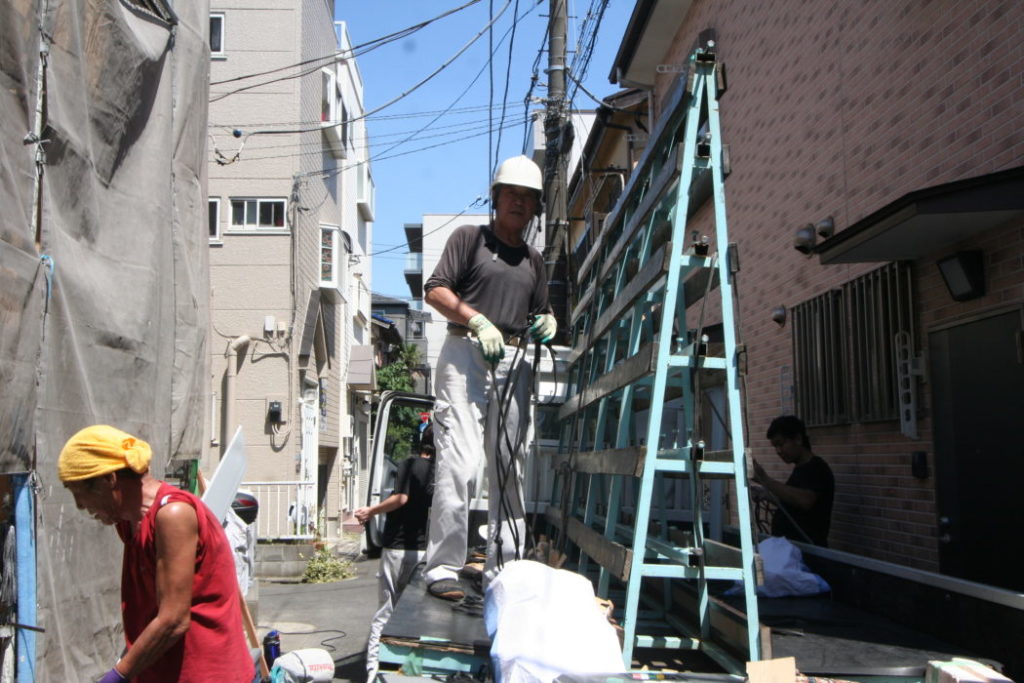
pixel 395 571
pixel 467 414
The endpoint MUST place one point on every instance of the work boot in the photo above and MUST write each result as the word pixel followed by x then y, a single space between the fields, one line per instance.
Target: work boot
pixel 447 589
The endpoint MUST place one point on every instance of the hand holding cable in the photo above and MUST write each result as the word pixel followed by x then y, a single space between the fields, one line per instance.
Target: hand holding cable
pixel 543 328
pixel 492 344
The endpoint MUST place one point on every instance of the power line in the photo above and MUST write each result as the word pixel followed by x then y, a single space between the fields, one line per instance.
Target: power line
pixel 479 201
pixel 315 148
pixel 356 50
pixel 383 117
pixel 374 140
pixel 490 108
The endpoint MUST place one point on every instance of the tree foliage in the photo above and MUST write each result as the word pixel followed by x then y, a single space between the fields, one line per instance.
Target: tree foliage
pixel 403 422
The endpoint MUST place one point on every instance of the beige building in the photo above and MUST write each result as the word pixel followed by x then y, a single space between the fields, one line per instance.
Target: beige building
pixel 291 215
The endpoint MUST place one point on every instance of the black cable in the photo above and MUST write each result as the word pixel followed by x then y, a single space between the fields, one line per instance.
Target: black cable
pixel 508 78
pixel 323 643
pixel 503 469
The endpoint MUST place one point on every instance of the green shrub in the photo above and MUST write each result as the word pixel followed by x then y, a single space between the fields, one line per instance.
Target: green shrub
pixel 324 567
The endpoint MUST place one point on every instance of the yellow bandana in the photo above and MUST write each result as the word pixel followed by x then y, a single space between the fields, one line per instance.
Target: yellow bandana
pixel 99 450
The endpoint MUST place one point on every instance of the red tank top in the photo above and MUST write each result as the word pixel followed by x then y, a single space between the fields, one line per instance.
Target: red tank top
pixel 214 647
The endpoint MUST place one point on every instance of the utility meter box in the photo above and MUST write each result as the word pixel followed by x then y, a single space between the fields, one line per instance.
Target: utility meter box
pixel 275 410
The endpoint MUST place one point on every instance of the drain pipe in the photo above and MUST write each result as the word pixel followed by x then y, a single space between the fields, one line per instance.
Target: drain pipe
pixel 229 389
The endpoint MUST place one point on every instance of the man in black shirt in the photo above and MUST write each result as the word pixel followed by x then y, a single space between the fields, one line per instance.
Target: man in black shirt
pixel 492 287
pixel 806 497
pixel 405 535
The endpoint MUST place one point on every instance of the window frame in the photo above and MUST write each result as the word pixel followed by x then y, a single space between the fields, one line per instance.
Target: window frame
pixel 844 348
pixel 334 280
pixel 222 53
pixel 256 227
pixel 215 231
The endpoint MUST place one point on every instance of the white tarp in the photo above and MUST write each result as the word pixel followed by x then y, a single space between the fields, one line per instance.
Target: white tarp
pixel 103 274
pixel 544 622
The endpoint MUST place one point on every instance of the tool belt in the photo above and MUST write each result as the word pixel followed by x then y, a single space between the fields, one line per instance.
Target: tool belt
pixel 510 339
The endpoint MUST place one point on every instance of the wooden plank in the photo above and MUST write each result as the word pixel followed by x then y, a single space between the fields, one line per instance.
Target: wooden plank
pixel 696 285
pixel 583 302
pixel 625 372
pixel 628 461
pixel 569 408
pixel 728 624
pixel 614 557
pixel 718 554
pixel 676 102
pixel 653 196
pixel 653 270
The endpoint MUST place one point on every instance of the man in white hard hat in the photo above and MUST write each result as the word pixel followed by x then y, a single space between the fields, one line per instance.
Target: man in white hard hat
pixel 492 288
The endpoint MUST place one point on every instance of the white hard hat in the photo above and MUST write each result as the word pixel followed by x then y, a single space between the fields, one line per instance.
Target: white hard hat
pixel 519 171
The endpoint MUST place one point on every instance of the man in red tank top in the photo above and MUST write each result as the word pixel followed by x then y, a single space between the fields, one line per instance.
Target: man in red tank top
pixel 179 595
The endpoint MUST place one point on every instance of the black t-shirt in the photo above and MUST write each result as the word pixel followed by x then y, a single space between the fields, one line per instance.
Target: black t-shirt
pixel 504 283
pixel 814 475
pixel 406 527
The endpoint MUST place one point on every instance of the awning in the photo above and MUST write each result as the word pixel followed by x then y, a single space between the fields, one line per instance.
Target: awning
pixel 651 29
pixel 360 368
pixel 927 220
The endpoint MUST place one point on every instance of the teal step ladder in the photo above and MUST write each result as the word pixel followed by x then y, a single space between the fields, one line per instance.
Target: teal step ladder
pixel 643 365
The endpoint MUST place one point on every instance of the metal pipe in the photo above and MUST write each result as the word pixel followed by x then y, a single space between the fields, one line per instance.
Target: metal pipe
pixel 25 549
pixel 229 389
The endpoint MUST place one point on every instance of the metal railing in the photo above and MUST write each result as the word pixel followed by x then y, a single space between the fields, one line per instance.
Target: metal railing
pixel 287 509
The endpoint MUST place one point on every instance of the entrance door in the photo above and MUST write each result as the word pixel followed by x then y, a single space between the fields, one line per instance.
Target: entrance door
pixel 305 504
pixel 977 379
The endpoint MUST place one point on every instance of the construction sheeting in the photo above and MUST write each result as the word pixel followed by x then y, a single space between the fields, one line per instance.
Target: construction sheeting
pixel 103 274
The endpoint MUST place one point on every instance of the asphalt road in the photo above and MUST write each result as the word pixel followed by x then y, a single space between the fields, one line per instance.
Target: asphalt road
pixel 329 616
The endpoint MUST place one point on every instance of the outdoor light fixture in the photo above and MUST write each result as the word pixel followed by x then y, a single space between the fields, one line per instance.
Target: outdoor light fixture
pixel 779 315
pixel 964 274
pixel 825 228
pixel 805 239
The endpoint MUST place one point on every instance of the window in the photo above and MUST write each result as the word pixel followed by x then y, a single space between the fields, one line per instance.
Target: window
pixel 417 329
pixel 328 97
pixel 258 214
pixel 216 34
pixel 844 348
pixel 214 219
pixel 333 261
pixel 328 256
pixel 332 114
pixel 344 124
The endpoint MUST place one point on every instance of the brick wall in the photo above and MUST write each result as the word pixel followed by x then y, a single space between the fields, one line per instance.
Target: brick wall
pixel 838 109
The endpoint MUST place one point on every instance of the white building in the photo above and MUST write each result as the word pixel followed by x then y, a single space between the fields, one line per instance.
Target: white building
pixel 291 216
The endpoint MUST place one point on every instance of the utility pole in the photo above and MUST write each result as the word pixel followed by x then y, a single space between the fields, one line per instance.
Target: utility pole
pixel 557 141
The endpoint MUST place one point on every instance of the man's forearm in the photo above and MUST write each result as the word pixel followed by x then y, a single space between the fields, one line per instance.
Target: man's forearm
pixel 447 303
pixel 802 499
pixel 158 637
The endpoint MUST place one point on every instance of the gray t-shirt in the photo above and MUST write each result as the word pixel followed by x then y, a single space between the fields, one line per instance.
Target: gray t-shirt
pixel 505 283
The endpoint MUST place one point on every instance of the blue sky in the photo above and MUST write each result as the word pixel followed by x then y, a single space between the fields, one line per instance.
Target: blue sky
pixel 446 167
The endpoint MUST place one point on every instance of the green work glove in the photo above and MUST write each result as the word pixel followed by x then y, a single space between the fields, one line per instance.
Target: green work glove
pixel 492 344
pixel 543 328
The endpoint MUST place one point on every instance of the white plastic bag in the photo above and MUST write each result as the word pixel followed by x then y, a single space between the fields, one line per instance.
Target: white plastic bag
pixel 544 622
pixel 309 665
pixel 785 573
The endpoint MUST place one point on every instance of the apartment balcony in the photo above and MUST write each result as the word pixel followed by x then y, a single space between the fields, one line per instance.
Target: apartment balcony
pixel 414 273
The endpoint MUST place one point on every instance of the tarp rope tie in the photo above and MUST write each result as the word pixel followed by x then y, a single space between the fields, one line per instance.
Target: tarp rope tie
pixel 47 261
